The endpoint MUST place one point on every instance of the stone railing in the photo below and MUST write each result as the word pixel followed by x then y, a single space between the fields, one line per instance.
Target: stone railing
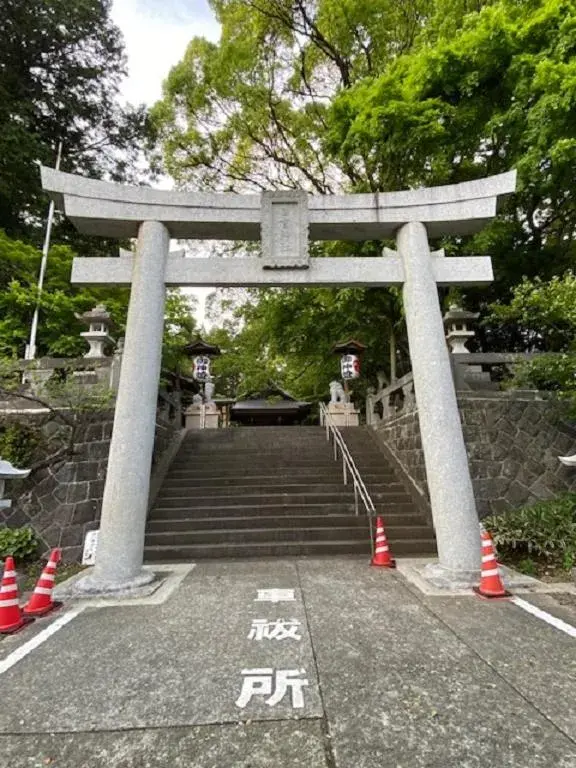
pixel 103 370
pixel 169 409
pixel 478 371
pixel 391 401
pixel 485 370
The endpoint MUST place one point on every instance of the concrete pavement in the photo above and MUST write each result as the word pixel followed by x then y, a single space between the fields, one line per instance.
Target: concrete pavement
pixel 338 666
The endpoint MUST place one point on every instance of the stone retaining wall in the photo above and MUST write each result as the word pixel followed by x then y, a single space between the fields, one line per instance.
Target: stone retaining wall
pixel 61 503
pixel 513 443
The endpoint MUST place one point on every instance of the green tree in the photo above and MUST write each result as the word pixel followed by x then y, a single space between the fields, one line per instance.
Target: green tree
pixel 179 328
pixel 493 94
pixel 287 336
pixel 381 96
pixel 59 329
pixel 251 111
pixel 61 62
pixel 544 312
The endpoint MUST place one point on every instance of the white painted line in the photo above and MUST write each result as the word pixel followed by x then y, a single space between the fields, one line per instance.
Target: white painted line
pixel 547 617
pixel 23 651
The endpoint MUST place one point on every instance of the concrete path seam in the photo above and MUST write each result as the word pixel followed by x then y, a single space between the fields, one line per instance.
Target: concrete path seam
pixel 178 726
pixel 326 735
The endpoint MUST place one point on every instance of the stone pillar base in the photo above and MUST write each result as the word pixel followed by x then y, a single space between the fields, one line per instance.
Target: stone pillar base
pixel 344 414
pixel 89 585
pixel 444 578
pixel 194 419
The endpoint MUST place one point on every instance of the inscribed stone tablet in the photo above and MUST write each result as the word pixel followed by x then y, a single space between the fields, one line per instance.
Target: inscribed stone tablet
pixel 284 220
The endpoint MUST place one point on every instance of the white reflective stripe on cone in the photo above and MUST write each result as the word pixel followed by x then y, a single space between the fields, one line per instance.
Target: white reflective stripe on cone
pixel 43 591
pixel 488 558
pixel 379 530
pixel 47 577
pixel 381 549
pixel 9 575
pixel 7 588
pixel 7 603
pixel 487 542
pixel 491 572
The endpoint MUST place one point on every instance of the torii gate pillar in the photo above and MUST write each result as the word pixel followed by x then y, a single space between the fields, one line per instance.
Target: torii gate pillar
pixel 447 472
pixel 125 503
pixel 284 221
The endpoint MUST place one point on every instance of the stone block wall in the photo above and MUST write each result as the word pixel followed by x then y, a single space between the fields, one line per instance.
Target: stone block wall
pixel 513 442
pixel 402 437
pixel 61 503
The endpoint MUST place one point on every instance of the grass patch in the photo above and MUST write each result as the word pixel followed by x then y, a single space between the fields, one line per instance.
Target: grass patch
pixel 32 573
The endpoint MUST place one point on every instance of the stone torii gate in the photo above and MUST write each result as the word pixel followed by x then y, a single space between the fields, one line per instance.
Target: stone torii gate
pixel 284 221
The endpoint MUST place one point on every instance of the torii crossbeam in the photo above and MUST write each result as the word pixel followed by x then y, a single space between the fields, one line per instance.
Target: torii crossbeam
pixel 285 222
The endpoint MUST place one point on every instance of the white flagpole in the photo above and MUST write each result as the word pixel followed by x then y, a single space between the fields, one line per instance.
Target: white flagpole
pixel 30 353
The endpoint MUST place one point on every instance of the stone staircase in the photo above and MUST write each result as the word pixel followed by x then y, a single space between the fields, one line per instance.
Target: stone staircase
pixel 267 491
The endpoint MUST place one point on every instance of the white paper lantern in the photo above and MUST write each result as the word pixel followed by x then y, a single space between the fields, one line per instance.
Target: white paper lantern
pixel 350 367
pixel 201 368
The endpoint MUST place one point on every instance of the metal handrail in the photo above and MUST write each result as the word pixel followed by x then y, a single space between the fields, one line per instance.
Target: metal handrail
pixel 349 468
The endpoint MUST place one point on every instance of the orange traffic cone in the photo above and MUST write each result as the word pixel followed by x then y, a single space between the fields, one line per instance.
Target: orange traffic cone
pixel 491 585
pixel 41 601
pixel 382 556
pixel 11 618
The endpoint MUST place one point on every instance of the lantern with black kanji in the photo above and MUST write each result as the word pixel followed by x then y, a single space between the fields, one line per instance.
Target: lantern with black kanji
pixel 350 355
pixel 201 352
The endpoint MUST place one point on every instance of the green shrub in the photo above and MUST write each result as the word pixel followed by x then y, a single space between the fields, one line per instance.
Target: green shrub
pixel 548 373
pixel 21 543
pixel 554 373
pixel 546 530
pixel 18 444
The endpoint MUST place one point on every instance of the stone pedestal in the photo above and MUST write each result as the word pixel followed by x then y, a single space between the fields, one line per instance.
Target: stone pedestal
pixel 196 420
pixel 344 414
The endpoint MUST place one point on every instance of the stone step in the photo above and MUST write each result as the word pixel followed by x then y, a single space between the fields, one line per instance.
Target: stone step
pixel 175 488
pixel 188 524
pixel 328 469
pixel 307 446
pixel 239 457
pixel 237 480
pixel 194 500
pixel 264 465
pixel 356 530
pixel 271 491
pixel 185 511
pixel 258 535
pixel 413 548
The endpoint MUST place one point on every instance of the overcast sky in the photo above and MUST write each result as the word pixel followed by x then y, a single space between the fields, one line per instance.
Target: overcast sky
pixel 156 33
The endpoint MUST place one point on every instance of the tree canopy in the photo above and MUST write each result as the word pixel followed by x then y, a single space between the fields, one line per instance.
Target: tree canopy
pixel 361 96
pixel 61 63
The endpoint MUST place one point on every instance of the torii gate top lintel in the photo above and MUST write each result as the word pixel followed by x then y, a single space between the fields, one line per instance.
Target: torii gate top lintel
pixel 115 210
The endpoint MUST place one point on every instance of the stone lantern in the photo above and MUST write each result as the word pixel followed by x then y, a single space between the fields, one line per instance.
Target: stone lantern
pixel 203 413
pixel 8 472
pixel 99 324
pixel 340 408
pixel 456 322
